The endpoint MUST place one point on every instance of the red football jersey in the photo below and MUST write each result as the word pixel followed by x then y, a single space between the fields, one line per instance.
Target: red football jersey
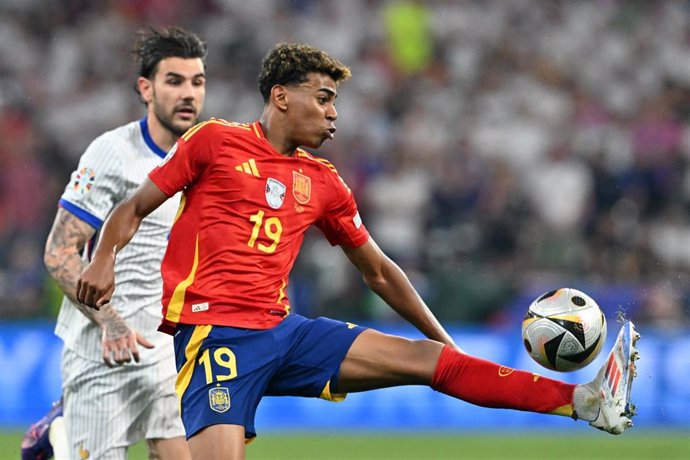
pixel 244 211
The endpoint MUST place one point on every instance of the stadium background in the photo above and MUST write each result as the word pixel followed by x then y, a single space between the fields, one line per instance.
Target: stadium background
pixel 497 150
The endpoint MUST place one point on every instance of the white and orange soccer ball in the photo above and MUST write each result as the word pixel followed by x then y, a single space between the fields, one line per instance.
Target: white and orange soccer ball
pixel 564 330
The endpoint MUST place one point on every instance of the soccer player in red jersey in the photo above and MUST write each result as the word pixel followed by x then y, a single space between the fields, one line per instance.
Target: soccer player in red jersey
pixel 249 194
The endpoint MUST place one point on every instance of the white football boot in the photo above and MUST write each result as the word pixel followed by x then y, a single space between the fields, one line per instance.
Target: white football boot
pixel 605 401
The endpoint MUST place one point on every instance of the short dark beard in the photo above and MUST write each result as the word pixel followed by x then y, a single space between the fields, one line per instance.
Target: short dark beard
pixel 166 122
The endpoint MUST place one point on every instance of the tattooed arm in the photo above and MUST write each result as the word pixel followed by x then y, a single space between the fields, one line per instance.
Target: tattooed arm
pixel 62 255
pixel 63 260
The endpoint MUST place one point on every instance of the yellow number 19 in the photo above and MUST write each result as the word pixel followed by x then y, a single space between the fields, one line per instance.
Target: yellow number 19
pixel 272 228
pixel 224 357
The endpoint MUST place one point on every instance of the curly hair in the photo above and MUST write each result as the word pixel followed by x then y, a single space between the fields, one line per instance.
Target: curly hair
pixel 153 46
pixel 290 63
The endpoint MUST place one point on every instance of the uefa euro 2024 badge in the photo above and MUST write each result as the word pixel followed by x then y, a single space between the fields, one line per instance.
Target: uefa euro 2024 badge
pixel 83 180
pixel 275 193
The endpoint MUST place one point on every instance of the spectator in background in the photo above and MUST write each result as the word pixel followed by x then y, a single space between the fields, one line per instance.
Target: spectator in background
pixel 410 39
pixel 398 201
pixel 662 307
pixel 25 186
pixel 559 188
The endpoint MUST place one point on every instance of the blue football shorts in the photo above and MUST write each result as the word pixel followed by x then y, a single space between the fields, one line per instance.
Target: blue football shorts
pixel 223 372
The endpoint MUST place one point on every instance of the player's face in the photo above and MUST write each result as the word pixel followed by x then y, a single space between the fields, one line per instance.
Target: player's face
pixel 176 93
pixel 311 110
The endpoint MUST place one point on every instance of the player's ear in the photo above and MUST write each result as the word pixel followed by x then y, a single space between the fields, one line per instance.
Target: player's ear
pixel 279 96
pixel 145 87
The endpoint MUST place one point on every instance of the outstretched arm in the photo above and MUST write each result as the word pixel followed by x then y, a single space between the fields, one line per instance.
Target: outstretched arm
pixel 96 283
pixel 386 279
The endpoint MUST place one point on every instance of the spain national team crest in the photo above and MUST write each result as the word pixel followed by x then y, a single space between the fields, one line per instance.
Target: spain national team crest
pixel 301 187
pixel 275 193
pixel 219 399
pixel 83 180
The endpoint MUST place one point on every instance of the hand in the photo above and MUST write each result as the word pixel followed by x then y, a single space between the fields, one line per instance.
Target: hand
pixel 119 343
pixel 96 283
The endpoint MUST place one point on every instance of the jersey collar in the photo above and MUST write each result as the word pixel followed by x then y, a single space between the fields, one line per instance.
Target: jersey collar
pixel 256 127
pixel 149 141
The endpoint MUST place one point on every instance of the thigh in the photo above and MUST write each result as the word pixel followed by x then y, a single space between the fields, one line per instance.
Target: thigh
pixel 222 373
pixel 162 418
pixel 311 353
pixel 218 442
pixel 91 408
pixel 378 360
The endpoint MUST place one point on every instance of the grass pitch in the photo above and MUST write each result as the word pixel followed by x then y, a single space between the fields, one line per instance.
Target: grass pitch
pixel 641 445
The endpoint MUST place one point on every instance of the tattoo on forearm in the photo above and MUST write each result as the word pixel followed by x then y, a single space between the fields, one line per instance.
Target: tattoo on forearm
pixel 63 251
pixel 64 263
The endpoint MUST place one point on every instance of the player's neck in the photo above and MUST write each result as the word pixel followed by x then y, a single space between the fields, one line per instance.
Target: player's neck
pixel 161 136
pixel 275 135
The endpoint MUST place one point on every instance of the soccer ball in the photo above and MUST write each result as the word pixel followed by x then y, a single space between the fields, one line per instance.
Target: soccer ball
pixel 564 330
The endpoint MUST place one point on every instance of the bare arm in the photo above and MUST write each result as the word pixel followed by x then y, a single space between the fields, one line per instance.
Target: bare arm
pixel 386 279
pixel 96 283
pixel 62 258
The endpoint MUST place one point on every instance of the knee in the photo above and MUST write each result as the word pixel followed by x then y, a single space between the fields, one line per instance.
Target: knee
pixel 421 357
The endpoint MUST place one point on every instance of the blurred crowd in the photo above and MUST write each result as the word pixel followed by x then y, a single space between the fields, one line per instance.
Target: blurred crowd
pixel 497 149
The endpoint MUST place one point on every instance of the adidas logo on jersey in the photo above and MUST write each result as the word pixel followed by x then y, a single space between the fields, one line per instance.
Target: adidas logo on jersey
pixel 197 307
pixel 248 167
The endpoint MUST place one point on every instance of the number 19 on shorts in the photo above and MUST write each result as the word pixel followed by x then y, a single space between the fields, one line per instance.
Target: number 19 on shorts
pixel 225 364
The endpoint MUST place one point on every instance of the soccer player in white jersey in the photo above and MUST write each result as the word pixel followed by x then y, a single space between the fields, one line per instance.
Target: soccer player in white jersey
pixel 118 372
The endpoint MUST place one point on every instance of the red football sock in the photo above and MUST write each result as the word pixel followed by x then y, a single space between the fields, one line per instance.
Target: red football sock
pixel 487 384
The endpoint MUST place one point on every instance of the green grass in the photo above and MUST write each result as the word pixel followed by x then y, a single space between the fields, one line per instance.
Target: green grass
pixel 642 445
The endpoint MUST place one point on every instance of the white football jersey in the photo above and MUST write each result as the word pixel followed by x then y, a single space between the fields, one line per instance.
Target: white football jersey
pixel 113 165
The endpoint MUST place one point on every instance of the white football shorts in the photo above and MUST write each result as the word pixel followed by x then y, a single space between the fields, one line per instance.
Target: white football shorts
pixel 108 409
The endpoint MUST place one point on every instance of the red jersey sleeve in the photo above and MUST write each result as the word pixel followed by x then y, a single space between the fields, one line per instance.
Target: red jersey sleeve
pixel 341 222
pixel 189 158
